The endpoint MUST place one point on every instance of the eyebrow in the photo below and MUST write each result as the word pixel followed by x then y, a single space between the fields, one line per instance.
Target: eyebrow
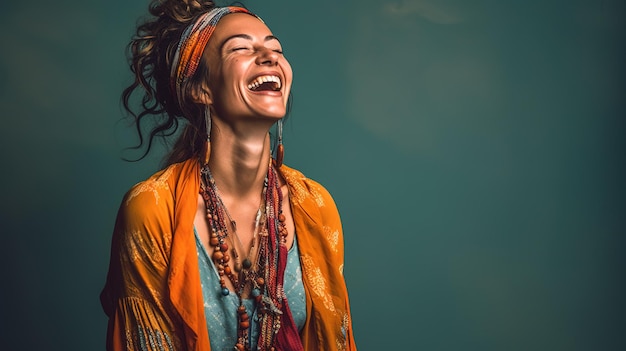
pixel 247 37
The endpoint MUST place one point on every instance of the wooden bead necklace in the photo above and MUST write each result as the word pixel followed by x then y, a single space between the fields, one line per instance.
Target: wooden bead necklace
pixel 260 273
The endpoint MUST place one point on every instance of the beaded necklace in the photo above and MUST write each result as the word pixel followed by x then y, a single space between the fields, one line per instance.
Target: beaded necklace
pixel 259 222
pixel 261 274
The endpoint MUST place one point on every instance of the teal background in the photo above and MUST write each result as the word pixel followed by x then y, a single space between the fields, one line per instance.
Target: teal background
pixel 475 150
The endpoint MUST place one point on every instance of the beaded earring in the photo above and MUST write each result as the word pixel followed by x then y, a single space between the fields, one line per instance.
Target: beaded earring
pixel 207 123
pixel 280 150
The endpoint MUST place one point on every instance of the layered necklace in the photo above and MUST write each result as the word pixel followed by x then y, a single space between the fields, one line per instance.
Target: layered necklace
pixel 261 272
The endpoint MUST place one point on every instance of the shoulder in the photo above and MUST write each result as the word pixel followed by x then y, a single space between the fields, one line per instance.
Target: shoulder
pixel 145 217
pixel 317 222
pixel 153 196
pixel 303 188
pixel 312 205
pixel 151 191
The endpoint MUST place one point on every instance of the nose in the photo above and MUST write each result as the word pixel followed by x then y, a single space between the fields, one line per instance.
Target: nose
pixel 267 57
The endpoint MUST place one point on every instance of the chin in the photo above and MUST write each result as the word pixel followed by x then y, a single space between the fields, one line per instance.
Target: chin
pixel 273 114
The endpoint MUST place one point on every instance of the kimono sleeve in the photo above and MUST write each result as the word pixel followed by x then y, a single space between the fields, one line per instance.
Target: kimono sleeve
pixel 135 296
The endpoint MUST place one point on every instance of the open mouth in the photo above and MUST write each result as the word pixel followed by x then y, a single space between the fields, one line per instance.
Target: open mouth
pixel 265 83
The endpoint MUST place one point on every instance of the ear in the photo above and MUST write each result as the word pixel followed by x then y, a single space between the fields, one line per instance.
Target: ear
pixel 201 94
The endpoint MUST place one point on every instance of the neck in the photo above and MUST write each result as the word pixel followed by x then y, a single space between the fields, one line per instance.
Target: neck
pixel 239 160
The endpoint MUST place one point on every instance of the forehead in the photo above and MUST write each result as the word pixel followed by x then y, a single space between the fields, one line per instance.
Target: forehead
pixel 238 23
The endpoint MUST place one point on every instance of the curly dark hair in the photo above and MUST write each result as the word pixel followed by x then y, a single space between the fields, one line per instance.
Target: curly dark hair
pixel 150 54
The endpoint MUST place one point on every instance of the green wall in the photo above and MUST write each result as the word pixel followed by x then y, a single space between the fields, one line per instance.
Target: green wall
pixel 475 150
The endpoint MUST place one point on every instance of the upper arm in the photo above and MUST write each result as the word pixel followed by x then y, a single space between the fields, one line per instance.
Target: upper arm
pixel 136 293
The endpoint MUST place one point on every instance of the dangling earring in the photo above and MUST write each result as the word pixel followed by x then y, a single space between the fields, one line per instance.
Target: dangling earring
pixel 207 123
pixel 280 150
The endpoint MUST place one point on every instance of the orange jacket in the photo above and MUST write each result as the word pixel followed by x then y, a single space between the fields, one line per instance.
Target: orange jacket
pixel 153 295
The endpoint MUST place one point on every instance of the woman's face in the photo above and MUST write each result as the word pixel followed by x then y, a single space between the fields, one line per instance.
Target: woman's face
pixel 248 75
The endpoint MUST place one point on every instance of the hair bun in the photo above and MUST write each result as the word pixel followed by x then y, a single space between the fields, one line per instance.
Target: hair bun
pixel 180 10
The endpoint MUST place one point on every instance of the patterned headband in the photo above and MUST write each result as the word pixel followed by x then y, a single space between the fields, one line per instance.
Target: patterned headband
pixel 191 46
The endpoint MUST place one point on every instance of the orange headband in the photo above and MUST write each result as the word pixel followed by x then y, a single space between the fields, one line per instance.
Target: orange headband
pixel 191 47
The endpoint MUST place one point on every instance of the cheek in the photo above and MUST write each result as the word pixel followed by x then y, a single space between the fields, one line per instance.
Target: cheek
pixel 232 71
pixel 288 73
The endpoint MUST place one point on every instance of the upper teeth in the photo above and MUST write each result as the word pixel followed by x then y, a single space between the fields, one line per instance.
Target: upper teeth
pixel 264 79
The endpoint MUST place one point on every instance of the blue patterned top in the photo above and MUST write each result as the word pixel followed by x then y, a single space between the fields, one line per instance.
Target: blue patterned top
pixel 220 311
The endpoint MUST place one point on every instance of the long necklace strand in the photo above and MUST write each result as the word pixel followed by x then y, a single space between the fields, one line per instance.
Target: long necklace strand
pixel 261 274
pixel 272 301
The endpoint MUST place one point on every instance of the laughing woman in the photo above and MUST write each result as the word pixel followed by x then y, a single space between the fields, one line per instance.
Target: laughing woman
pixel 225 248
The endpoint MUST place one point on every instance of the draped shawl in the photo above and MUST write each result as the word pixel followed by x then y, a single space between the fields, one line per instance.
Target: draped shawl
pixel 152 294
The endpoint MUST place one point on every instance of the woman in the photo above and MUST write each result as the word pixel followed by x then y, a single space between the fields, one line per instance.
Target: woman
pixel 225 248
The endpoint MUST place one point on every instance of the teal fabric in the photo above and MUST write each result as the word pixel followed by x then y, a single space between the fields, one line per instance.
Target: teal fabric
pixel 220 311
